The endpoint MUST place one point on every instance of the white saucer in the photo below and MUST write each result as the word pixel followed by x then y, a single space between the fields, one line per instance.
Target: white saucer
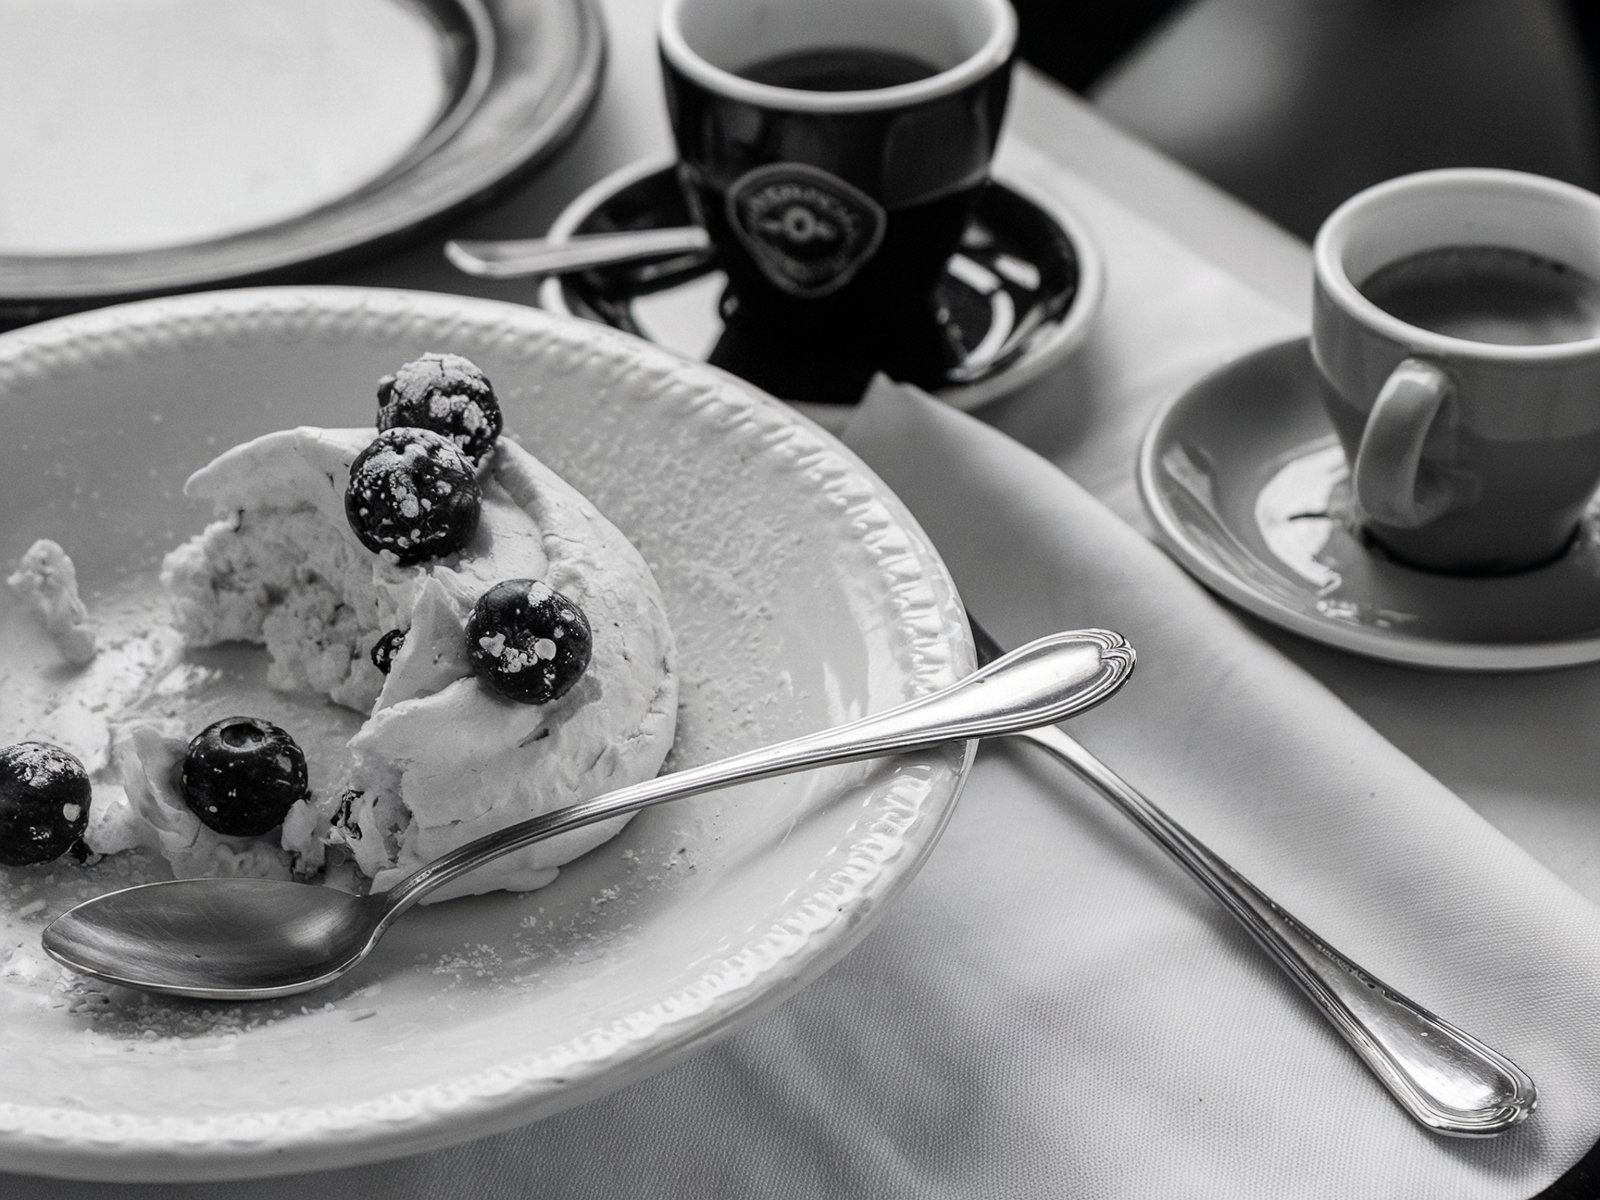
pixel 1248 489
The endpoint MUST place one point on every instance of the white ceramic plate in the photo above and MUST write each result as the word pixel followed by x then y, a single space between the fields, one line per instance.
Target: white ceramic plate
pixel 516 79
pixel 801 594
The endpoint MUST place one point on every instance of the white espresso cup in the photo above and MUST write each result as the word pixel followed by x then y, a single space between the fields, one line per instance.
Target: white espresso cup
pixel 1456 333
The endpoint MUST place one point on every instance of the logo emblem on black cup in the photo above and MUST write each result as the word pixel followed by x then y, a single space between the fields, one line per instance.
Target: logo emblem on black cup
pixel 808 231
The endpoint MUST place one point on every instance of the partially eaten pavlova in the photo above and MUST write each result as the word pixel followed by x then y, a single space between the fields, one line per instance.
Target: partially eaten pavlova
pixel 507 644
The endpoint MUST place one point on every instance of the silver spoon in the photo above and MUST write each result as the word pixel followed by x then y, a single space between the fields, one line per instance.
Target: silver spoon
pixel 253 939
pixel 528 257
pixel 1445 1078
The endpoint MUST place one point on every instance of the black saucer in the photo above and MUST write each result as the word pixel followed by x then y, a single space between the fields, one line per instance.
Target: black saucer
pixel 1015 299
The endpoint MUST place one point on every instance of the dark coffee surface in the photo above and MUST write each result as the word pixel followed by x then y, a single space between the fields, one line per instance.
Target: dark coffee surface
pixel 839 69
pixel 1489 294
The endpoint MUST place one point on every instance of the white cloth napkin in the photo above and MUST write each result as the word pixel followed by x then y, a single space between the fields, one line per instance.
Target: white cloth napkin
pixel 1053 1008
pixel 1175 1023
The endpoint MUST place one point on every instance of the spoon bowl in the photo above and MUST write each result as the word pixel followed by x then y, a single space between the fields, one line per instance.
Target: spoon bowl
pixel 212 938
pixel 252 939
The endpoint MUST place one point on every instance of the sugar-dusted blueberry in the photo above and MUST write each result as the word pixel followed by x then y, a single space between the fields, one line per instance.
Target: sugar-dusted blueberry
pixel 412 496
pixel 447 394
pixel 241 776
pixel 527 641
pixel 386 647
pixel 44 803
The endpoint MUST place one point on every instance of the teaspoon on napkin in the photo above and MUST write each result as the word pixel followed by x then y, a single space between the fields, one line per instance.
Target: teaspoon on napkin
pixel 1444 1077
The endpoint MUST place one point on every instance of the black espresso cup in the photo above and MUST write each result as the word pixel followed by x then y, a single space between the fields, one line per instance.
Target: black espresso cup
pixel 834 151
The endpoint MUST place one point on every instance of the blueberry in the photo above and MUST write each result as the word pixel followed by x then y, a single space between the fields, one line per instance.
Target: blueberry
pixel 44 803
pixel 412 496
pixel 241 776
pixel 447 394
pixel 527 641
pixel 386 647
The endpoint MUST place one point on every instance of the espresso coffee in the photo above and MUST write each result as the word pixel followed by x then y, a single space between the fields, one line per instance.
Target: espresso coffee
pixel 835 179
pixel 1489 294
pixel 839 69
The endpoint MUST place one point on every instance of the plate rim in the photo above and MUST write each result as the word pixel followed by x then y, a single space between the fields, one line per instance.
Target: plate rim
pixel 1394 645
pixel 1066 335
pixel 61 1142
pixel 260 253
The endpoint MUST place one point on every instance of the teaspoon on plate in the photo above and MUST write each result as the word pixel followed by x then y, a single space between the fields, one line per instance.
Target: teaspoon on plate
pixel 253 939
pixel 522 258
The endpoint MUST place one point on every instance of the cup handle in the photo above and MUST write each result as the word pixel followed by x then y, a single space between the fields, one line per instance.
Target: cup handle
pixel 1391 483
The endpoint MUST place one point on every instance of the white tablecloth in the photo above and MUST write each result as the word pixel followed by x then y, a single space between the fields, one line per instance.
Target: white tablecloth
pixel 1052 1008
pixel 959 1050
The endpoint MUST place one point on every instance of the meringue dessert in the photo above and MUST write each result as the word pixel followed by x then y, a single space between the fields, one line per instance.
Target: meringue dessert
pixel 504 643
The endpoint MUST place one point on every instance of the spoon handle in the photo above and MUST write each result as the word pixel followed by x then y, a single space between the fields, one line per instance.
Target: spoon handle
pixel 1043 682
pixel 526 257
pixel 1445 1078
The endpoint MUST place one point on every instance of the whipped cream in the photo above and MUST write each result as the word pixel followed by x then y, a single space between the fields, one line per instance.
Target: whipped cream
pixel 440 759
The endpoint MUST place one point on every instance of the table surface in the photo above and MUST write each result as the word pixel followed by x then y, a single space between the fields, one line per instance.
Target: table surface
pixel 1253 283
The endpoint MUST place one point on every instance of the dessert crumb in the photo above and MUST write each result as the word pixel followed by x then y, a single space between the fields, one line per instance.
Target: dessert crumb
pixel 47 580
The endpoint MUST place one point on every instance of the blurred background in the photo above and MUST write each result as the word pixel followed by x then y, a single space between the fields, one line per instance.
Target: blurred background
pixel 1293 105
